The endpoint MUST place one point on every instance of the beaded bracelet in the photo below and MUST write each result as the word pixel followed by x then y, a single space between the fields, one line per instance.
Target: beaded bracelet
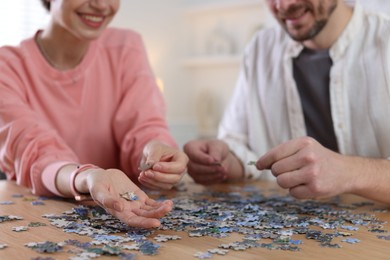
pixel 79 169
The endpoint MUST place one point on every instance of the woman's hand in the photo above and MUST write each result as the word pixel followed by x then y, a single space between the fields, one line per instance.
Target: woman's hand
pixel 164 166
pixel 106 187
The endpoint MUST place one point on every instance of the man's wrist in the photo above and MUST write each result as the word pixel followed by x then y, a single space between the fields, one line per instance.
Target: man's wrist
pixel 236 169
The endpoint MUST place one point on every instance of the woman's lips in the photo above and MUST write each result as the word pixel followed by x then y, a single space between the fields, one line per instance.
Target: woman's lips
pixel 91 20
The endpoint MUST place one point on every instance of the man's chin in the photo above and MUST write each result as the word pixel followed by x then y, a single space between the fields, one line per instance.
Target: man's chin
pixel 298 36
pixel 301 34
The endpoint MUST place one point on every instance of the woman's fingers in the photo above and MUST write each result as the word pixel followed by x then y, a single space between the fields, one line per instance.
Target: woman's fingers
pixel 142 222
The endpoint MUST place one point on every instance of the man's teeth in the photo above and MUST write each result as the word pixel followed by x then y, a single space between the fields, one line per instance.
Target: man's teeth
pixel 296 15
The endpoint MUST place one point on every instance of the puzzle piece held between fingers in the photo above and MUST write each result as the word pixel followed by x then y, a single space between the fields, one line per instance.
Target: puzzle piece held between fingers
pixel 145 166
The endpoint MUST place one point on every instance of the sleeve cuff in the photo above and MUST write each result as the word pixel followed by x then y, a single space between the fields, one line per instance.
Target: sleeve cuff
pixel 49 175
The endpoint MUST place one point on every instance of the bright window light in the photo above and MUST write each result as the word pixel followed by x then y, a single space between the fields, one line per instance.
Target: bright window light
pixel 20 19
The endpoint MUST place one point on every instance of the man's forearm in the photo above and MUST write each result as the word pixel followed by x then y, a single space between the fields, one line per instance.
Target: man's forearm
pixel 372 178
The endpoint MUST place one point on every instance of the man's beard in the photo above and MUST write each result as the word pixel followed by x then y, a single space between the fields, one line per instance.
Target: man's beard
pixel 318 25
pixel 316 29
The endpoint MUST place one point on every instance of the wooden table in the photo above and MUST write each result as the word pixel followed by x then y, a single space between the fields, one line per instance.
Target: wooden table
pixel 370 246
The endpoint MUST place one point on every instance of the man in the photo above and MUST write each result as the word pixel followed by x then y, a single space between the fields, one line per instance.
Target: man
pixel 311 105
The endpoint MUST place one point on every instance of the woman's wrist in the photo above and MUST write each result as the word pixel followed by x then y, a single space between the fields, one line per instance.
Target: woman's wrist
pixel 78 181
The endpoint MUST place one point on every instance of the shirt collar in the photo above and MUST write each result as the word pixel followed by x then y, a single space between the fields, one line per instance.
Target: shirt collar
pixel 346 37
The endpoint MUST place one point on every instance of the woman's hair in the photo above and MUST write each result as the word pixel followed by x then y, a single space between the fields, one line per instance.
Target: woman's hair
pixel 46 4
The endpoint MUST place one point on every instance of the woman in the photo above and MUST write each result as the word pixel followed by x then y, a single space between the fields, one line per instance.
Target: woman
pixel 80 113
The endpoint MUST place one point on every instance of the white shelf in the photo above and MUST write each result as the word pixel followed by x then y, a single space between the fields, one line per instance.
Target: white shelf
pixel 202 61
pixel 231 5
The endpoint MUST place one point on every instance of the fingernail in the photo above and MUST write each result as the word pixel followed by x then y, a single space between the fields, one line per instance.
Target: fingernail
pixel 157 167
pixel 149 174
pixel 216 164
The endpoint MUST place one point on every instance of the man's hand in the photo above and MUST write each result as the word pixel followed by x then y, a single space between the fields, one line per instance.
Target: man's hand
pixel 212 162
pixel 308 169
